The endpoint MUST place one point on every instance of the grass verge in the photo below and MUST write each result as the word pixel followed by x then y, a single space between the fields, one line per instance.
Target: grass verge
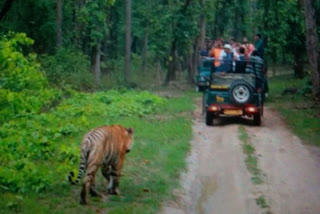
pixel 251 160
pixel 151 169
pixel 252 166
pixel 299 110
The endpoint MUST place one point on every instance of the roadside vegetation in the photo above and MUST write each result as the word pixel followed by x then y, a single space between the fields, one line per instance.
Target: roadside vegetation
pixel 41 131
pixel 251 161
pixel 292 97
pixel 251 158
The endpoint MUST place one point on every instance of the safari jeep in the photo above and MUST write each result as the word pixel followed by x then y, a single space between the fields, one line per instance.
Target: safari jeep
pixel 202 79
pixel 235 93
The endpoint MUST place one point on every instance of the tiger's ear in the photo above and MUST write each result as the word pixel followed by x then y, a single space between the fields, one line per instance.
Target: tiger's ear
pixel 130 131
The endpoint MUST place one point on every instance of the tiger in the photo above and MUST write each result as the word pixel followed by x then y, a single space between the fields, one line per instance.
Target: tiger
pixel 103 147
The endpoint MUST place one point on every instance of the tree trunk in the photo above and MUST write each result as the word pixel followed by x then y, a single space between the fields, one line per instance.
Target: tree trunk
pixel 95 63
pixel 311 44
pixel 145 52
pixel 191 61
pixel 59 24
pixel 6 7
pixel 128 41
pixel 298 65
pixel 172 67
pixel 158 71
pixel 76 38
pixel 199 43
pixel 174 64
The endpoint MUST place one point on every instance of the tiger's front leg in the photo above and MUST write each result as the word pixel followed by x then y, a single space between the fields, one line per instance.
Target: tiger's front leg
pixel 106 170
pixel 113 183
pixel 115 173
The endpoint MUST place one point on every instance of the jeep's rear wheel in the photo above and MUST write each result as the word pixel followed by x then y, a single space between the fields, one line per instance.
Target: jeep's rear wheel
pixel 203 103
pixel 257 119
pixel 209 118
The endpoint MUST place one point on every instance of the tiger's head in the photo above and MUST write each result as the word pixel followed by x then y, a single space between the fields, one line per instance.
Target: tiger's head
pixel 130 139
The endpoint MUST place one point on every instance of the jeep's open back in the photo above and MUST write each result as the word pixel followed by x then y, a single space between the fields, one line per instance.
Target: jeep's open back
pixel 235 93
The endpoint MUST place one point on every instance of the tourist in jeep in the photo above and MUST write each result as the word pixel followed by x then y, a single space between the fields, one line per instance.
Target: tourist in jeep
pixel 226 59
pixel 258 64
pixel 249 48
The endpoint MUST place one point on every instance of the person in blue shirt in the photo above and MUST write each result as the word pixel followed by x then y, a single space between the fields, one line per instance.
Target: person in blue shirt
pixel 226 60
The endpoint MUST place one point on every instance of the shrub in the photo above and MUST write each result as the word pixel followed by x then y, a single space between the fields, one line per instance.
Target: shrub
pixel 23 86
pixel 19 71
pixel 68 67
pixel 37 146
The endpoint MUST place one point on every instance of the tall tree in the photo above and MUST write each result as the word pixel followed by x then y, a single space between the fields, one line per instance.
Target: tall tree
pixel 128 41
pixel 59 23
pixel 93 16
pixel 181 35
pixel 198 43
pixel 312 42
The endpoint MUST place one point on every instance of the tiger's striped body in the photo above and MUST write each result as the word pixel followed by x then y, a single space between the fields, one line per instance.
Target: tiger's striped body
pixel 103 147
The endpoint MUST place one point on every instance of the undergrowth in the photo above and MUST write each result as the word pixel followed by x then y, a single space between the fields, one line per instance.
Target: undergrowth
pixel 251 161
pixel 298 108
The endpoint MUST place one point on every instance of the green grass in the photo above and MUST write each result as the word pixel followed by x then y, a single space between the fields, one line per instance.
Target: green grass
pixel 299 110
pixel 151 170
pixel 261 201
pixel 251 160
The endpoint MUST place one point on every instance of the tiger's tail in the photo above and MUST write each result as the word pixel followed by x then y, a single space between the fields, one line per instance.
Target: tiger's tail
pixel 82 169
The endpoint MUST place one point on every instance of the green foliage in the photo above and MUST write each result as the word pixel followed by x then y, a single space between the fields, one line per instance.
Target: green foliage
pixel 165 25
pixel 36 19
pixel 35 119
pixel 251 158
pixel 114 78
pixel 24 103
pixel 19 71
pixel 23 86
pixel 299 110
pixel 283 28
pixel 144 185
pixel 93 16
pixel 261 201
pixel 33 147
pixel 68 67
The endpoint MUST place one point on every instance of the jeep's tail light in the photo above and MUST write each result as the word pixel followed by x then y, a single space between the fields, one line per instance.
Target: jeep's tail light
pixel 251 109
pixel 214 108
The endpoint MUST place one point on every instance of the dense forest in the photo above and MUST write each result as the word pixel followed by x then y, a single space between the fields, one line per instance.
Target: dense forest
pixel 53 54
pixel 122 41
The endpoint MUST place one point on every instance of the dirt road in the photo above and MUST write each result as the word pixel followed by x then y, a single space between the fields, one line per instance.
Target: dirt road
pixel 218 182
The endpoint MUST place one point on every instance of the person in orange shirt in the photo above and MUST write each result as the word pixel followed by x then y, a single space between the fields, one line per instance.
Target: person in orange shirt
pixel 216 52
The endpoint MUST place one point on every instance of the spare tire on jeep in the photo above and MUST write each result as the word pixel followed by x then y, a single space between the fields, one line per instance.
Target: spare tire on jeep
pixel 240 92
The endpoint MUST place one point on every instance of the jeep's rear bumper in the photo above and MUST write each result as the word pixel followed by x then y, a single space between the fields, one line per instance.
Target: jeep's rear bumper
pixel 233 110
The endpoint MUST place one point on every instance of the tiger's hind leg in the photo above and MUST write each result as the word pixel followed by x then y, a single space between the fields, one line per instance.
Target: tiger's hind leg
pixel 92 190
pixel 88 182
pixel 106 170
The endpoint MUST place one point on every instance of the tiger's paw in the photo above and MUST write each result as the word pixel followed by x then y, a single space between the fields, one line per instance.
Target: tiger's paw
pixel 83 202
pixel 113 192
pixel 94 193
